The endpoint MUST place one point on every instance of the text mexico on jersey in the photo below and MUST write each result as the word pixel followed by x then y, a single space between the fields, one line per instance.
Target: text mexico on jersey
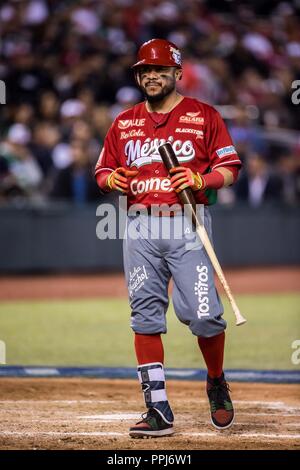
pixel 197 134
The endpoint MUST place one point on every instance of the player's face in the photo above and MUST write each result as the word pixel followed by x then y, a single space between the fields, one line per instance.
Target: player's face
pixel 157 82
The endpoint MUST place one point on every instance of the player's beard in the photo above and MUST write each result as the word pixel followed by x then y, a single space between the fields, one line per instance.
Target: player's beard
pixel 165 91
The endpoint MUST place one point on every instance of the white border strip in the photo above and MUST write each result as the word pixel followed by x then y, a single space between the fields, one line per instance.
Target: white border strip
pixel 260 376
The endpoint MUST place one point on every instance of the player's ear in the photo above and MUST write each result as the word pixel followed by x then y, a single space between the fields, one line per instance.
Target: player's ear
pixel 178 74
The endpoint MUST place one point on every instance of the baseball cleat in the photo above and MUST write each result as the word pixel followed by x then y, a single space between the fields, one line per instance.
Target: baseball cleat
pixel 151 425
pixel 221 408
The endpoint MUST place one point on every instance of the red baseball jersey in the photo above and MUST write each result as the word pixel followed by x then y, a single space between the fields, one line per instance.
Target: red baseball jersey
pixel 198 136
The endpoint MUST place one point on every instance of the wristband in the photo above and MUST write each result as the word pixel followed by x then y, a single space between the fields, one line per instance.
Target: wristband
pixel 101 178
pixel 213 180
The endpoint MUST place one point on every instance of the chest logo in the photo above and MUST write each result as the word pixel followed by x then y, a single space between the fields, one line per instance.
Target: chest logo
pixel 139 153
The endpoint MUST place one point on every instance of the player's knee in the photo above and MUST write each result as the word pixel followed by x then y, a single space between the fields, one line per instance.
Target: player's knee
pixel 148 324
pixel 148 328
pixel 207 326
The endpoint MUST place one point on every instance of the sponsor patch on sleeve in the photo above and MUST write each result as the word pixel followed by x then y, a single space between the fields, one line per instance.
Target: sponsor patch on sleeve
pixel 224 151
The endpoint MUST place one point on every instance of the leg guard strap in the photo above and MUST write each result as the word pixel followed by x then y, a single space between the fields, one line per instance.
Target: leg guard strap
pixel 152 379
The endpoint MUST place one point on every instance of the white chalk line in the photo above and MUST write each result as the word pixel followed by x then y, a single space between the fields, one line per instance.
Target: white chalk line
pixel 266 425
pixel 109 418
pixel 60 434
pixel 134 417
pixel 244 434
pixel 255 402
pixel 271 405
pixel 254 413
pixel 214 435
pixel 266 404
pixel 63 402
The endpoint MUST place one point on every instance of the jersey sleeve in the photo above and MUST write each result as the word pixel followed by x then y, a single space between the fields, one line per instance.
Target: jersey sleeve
pixel 219 143
pixel 107 161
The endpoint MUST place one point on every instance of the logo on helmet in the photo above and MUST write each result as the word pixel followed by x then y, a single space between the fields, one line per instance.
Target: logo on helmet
pixel 176 55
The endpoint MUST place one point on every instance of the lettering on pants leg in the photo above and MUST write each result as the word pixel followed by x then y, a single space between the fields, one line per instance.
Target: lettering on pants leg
pixel 201 291
pixel 137 279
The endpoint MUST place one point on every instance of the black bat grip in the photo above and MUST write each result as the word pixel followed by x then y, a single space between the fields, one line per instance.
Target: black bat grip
pixel 186 196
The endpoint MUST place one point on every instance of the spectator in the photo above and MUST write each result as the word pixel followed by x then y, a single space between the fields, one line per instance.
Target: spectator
pixel 289 169
pixel 258 184
pixel 23 176
pixel 66 66
pixel 125 98
pixel 48 107
pixel 76 183
pixel 45 137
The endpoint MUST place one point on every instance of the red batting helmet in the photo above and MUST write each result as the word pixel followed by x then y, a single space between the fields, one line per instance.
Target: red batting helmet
pixel 159 52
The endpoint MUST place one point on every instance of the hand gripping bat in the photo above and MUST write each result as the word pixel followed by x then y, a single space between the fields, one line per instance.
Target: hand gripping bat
pixel 187 198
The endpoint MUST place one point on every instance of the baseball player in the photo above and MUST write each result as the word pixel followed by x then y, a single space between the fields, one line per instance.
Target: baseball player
pixel 130 163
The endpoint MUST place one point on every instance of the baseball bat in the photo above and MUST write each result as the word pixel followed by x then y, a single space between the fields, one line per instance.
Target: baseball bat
pixel 187 198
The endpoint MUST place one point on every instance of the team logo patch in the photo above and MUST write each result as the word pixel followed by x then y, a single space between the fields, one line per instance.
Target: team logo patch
pixel 224 151
pixel 124 124
pixel 188 119
pixel 176 55
pixel 193 114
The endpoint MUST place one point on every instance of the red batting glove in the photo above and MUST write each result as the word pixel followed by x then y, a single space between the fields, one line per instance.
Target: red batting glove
pixel 118 179
pixel 184 178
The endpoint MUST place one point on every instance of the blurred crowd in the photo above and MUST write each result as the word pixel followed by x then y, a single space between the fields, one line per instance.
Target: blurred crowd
pixel 66 67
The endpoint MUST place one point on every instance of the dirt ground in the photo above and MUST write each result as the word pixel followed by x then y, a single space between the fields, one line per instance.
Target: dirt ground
pixel 96 414
pixel 241 281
